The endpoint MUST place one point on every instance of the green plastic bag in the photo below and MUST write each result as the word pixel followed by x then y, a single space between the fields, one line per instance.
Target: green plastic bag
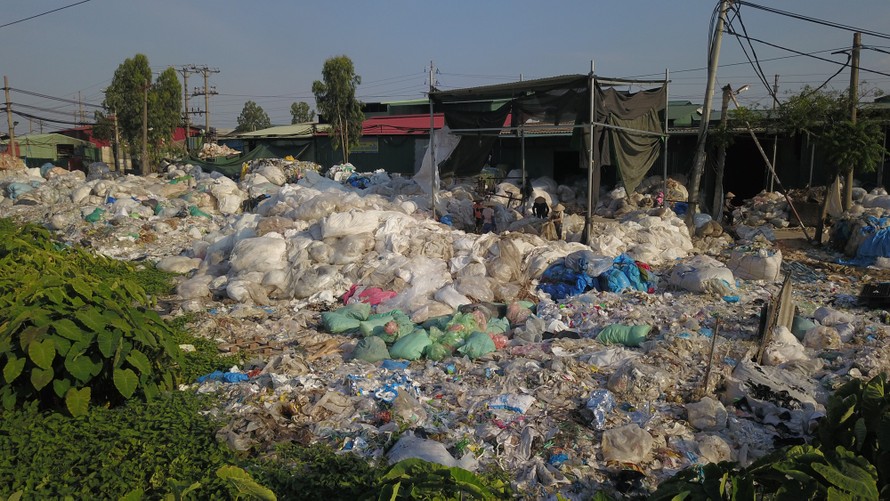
pixel 337 323
pixel 439 322
pixel 359 311
pixel 498 326
pixel 95 215
pixel 371 349
pixel 437 351
pixel 453 339
pixel 410 347
pixel 477 345
pixel 196 212
pixel 375 325
pixel 628 335
pixel 463 322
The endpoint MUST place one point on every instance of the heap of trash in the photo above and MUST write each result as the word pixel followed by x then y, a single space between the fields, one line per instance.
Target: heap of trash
pixel 213 150
pixel 369 321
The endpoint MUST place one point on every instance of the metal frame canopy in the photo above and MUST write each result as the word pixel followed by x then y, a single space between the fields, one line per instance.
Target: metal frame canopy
pixel 553 103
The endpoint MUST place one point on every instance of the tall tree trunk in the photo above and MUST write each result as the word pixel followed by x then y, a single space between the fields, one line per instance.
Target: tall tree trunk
pixel 848 190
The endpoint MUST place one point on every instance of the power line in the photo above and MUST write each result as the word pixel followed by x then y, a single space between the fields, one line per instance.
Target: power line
pixel 809 55
pixel 44 96
pixel 43 14
pixel 815 20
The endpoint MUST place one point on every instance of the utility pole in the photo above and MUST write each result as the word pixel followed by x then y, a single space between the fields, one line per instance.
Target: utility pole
pixel 435 168
pixel 721 156
pixel 698 163
pixel 207 91
pixel 854 101
pixel 10 148
pixel 186 71
pixel 145 166
pixel 772 179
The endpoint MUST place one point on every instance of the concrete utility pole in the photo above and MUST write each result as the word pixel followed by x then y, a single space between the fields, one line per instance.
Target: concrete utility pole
pixel 186 71
pixel 854 101
pixel 434 168
pixel 772 179
pixel 206 92
pixel 10 149
pixel 721 157
pixel 698 163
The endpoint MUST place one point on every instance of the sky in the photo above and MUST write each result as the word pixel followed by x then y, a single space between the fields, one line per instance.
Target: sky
pixel 270 51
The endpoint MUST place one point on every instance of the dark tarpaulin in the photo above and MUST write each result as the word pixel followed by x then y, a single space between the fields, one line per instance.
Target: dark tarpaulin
pixel 472 150
pixel 630 152
pixel 557 101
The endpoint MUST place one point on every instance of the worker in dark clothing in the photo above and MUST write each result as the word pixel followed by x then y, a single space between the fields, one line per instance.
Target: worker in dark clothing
pixel 477 214
pixel 540 208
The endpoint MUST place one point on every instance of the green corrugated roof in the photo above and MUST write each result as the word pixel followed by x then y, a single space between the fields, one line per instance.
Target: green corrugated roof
pixel 50 138
pixel 294 131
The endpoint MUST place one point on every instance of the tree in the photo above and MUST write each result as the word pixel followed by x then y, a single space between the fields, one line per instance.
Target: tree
pixel 826 117
pixel 300 113
pixel 252 118
pixel 335 96
pixel 124 100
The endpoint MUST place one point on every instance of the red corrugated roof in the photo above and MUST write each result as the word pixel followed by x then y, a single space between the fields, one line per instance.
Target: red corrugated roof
pixel 401 125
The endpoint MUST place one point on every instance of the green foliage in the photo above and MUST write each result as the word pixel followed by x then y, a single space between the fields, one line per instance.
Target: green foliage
pixel 252 118
pixel 316 472
pixel 206 358
pixel 858 418
pixel 244 484
pixel 419 479
pixel 69 337
pixel 301 113
pixel 163 449
pixel 857 146
pixel 335 96
pixel 724 480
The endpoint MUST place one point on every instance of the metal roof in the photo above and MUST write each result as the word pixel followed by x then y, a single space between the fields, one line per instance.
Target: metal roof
pixel 294 131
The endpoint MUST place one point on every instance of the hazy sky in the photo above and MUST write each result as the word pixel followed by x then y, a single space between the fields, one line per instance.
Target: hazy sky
pixel 270 51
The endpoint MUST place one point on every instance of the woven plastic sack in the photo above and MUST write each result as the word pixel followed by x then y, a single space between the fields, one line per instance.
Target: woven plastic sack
pixel 375 324
pixel 477 345
pixel 371 349
pixel 336 323
pixel 411 346
pixel 628 335
pixel 359 311
pixel 437 351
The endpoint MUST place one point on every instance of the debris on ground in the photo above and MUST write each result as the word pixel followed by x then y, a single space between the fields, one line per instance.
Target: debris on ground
pixel 370 326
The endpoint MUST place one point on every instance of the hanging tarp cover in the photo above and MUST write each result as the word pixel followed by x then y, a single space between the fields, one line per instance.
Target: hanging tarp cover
pixel 633 153
pixel 558 101
pixel 468 157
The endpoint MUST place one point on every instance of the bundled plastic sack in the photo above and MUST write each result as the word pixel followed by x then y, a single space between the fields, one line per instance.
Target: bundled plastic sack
pixel 410 347
pixel 371 349
pixel 345 319
pixel 694 274
pixel 627 335
pixel 760 265
pixel 437 351
pixel 477 345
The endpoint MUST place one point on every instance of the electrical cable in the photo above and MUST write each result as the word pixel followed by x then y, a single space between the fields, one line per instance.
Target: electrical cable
pixel 815 20
pixel 812 56
pixel 64 100
pixel 755 63
pixel 43 14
